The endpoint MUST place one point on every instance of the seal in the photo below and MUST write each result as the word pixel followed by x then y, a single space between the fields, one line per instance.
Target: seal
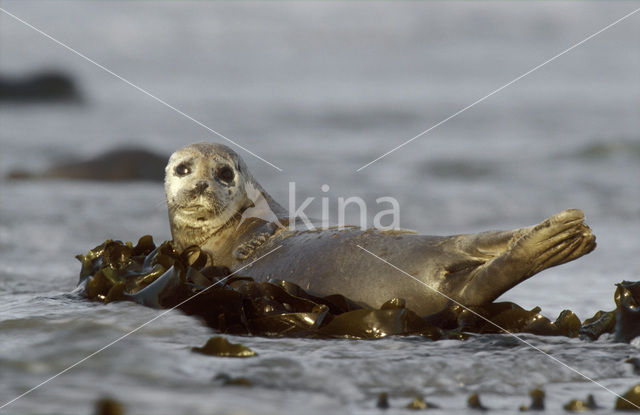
pixel 215 203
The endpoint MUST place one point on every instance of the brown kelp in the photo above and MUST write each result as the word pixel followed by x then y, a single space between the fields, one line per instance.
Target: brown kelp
pixel 630 400
pixel 537 401
pixel 219 346
pixel 419 403
pixel 576 405
pixel 160 277
pixel 473 402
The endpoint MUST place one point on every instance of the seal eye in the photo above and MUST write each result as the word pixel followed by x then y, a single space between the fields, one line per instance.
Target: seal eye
pixel 182 169
pixel 225 174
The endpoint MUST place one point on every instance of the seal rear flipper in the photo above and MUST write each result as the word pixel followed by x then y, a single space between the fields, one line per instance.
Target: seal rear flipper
pixel 559 239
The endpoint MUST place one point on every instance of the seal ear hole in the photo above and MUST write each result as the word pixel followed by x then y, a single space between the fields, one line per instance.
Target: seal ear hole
pixel 226 174
pixel 182 169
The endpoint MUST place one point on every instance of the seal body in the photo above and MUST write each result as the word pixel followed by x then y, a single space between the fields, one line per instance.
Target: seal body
pixel 367 266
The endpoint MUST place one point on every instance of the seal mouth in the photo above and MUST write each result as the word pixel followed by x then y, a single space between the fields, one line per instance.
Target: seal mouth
pixel 193 209
pixel 198 213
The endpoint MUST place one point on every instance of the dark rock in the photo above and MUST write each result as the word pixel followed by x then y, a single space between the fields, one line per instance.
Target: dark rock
pixel 122 164
pixel 46 86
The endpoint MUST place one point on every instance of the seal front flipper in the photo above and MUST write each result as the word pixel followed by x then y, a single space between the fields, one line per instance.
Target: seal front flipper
pixel 559 239
pixel 246 249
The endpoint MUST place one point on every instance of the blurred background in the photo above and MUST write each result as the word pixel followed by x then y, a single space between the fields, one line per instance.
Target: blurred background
pixel 320 89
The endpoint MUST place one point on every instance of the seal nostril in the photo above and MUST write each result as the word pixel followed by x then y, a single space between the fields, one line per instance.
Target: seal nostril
pixel 201 186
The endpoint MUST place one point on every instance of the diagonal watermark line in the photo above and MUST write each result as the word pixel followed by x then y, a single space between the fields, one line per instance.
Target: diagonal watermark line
pixel 144 91
pixel 133 331
pixel 501 88
pixel 555 359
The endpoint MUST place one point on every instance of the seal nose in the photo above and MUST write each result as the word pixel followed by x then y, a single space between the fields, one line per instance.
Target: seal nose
pixel 201 186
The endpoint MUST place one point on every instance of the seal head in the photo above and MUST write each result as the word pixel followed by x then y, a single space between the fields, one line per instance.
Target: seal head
pixel 206 188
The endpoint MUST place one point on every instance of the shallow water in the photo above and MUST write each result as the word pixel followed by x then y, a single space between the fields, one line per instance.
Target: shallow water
pixel 320 90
